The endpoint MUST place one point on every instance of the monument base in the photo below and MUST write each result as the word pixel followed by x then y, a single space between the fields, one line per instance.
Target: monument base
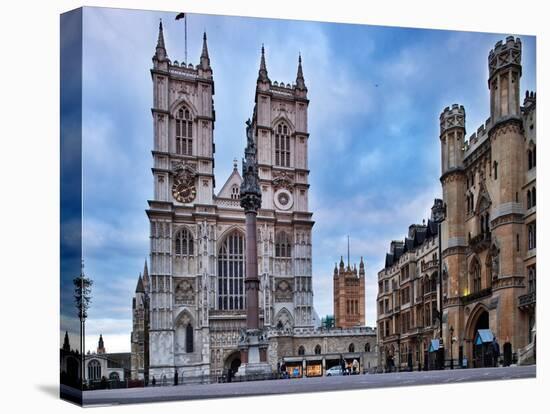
pixel 253 345
pixel 254 369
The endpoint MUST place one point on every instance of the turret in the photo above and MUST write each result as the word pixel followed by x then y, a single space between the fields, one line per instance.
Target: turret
pixel 361 267
pixel 160 57
pixel 504 78
pixel 262 72
pixel 452 124
pixel 205 59
pixel 341 263
pixel 301 88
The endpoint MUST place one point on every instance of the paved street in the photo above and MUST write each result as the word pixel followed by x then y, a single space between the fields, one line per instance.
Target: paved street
pixel 189 392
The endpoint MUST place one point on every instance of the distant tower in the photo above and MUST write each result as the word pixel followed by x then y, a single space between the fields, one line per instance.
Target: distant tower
pixel 66 344
pixel 140 328
pixel 349 295
pixel 100 345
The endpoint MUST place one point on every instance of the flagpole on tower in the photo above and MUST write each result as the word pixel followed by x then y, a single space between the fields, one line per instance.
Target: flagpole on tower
pixel 184 17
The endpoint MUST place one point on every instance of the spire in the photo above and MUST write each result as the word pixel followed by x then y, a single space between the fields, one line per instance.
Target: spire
pixel 341 262
pixel 300 84
pixel 262 73
pixel 205 59
pixel 335 269
pixel 66 344
pixel 145 271
pixel 160 53
pixel 160 40
pixel 361 267
pixel 139 286
pixel 100 345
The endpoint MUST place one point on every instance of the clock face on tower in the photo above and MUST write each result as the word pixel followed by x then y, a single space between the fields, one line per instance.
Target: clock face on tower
pixel 183 190
pixel 283 199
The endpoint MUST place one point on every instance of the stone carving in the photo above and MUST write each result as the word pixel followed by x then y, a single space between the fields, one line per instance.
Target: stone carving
pixel 283 291
pixel 251 196
pixel 494 262
pixel 283 180
pixel 184 292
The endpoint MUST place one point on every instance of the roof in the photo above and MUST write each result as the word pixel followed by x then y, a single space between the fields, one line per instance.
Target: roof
pixel 483 336
pixel 233 179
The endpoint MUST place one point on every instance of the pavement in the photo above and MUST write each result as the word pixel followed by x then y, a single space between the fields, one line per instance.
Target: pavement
pixel 303 385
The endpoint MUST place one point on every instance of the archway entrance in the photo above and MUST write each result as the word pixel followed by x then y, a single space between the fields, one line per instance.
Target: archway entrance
pixel 232 364
pixel 479 320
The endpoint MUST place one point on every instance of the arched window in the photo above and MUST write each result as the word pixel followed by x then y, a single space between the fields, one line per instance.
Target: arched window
pixel 529 202
pixel 94 370
pixel 301 350
pixel 184 132
pixel 476 276
pixel 282 245
pixel 235 192
pixel 113 376
pixel 317 349
pixel 189 338
pixel 495 170
pixel 231 272
pixel 351 348
pixel 534 197
pixel 183 243
pixel 367 347
pixel 282 145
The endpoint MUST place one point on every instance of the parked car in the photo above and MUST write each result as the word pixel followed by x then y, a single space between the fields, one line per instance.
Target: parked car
pixel 336 370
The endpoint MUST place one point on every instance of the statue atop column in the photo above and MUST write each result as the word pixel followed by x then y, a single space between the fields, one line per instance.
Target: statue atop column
pixel 253 343
pixel 251 195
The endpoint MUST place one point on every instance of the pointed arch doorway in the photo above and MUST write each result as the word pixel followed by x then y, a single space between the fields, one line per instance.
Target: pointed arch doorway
pixel 232 364
pixel 479 319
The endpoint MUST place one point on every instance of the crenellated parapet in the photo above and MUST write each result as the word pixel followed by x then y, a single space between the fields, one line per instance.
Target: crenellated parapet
pixel 504 55
pixel 452 117
pixel 530 100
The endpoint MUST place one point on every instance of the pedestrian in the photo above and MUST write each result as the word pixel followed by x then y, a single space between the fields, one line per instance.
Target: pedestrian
pixel 154 381
pixel 176 377
pixel 496 351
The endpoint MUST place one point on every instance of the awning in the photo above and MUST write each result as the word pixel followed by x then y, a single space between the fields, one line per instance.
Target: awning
pixel 483 336
pixel 434 345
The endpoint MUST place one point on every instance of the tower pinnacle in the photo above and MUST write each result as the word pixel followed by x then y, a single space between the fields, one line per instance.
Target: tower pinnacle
pixel 300 83
pixel 205 59
pixel 262 73
pixel 160 53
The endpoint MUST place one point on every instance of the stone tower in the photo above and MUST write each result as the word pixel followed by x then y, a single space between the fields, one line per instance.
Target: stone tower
pixel 349 295
pixel 484 234
pixel 452 123
pixel 281 131
pixel 183 174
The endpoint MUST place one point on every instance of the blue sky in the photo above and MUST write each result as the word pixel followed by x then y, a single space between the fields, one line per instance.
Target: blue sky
pixel 376 94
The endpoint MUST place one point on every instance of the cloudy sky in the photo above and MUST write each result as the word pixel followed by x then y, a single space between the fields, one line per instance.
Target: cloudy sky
pixel 376 94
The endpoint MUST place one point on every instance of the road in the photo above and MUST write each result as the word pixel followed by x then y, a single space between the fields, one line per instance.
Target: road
pixel 303 385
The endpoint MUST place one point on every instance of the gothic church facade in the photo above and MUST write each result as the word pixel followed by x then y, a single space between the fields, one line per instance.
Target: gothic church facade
pixel 195 284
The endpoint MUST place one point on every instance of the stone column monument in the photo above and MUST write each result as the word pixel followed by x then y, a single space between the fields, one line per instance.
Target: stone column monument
pixel 253 341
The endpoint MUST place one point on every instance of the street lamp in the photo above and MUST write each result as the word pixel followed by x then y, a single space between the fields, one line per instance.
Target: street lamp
pixel 451 331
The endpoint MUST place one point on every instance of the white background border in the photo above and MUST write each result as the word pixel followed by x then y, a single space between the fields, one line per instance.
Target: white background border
pixel 29 301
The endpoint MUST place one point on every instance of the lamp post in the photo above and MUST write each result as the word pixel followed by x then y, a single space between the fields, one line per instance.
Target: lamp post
pixel 451 331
